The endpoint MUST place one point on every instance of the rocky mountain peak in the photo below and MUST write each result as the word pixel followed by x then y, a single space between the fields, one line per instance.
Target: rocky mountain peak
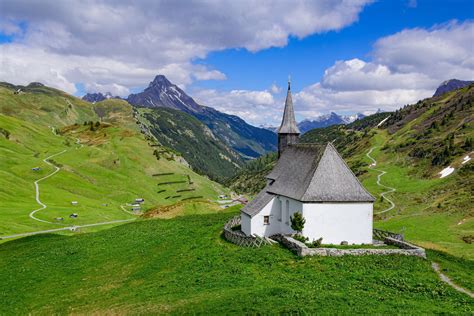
pixel 163 93
pixel 99 96
pixel 450 85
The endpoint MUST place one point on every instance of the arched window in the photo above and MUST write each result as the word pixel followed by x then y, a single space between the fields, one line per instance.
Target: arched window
pixel 280 210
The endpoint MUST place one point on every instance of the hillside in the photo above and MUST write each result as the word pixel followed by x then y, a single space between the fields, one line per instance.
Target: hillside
pixel 192 139
pixel 244 139
pixel 105 162
pixel 413 145
pixel 183 266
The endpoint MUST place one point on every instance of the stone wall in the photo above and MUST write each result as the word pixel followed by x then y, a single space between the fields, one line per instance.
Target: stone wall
pixel 239 238
pixel 302 250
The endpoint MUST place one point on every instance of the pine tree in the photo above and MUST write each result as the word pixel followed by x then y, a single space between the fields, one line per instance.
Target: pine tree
pixel 297 222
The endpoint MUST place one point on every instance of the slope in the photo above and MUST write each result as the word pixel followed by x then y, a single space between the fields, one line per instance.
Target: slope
pixel 245 139
pixel 413 145
pixel 105 162
pixel 192 139
pixel 183 266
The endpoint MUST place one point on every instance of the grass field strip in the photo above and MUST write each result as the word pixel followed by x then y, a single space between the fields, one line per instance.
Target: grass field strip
pixel 43 206
pixel 446 279
pixel 71 228
pixel 390 189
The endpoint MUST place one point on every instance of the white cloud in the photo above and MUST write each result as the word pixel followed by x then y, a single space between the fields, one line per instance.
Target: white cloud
pixel 256 107
pixel 275 89
pixel 102 42
pixel 407 66
pixel 443 52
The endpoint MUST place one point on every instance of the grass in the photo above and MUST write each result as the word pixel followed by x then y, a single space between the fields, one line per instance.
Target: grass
pixel 428 210
pixel 112 166
pixel 182 265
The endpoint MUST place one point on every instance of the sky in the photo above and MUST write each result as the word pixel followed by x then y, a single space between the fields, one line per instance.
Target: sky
pixel 343 56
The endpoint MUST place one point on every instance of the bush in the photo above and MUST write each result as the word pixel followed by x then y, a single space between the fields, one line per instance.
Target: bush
pixel 297 222
pixel 5 133
pixel 300 238
pixel 315 243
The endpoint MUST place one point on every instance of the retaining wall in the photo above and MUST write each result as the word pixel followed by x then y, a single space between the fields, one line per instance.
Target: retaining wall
pixel 302 250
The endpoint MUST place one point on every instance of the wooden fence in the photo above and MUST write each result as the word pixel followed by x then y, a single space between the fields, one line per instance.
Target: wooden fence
pixel 382 234
pixel 239 238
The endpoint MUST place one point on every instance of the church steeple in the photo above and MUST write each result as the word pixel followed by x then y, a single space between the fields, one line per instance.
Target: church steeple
pixel 288 132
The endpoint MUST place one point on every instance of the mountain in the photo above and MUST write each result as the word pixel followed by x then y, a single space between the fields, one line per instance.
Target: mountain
pixel 450 85
pixel 192 139
pixel 328 120
pixel 249 141
pixel 105 161
pixel 97 97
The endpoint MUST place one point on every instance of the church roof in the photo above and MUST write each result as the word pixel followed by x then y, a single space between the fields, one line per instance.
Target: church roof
pixel 311 173
pixel 259 202
pixel 288 123
pixel 315 173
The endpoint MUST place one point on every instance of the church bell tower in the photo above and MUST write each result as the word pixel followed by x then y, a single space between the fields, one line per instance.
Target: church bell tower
pixel 288 132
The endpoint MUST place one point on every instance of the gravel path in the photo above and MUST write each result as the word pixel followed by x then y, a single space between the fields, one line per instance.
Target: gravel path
pixel 390 189
pixel 43 206
pixel 71 228
pixel 446 279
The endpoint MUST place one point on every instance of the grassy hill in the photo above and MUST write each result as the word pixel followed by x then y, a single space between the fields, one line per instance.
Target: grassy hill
pixel 413 145
pixel 105 161
pixel 182 265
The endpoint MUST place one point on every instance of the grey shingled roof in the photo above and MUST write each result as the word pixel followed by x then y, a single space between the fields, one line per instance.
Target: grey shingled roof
pixel 310 173
pixel 288 123
pixel 315 173
pixel 256 205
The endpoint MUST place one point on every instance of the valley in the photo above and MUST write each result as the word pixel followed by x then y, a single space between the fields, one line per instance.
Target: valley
pixel 105 164
pixel 104 155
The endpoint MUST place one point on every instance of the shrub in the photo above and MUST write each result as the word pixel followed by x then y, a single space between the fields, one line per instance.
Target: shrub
pixel 300 238
pixel 297 222
pixel 5 133
pixel 315 243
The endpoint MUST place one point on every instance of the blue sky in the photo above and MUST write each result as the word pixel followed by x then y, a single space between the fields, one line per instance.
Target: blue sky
pixel 343 56
pixel 306 59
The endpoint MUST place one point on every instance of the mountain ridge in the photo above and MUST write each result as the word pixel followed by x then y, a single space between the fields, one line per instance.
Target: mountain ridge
pixel 247 140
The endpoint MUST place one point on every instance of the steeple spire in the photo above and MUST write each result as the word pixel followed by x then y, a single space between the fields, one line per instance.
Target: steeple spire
pixel 288 123
pixel 288 132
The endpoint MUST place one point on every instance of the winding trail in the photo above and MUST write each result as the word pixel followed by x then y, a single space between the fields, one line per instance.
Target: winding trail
pixel 43 206
pixel 446 279
pixel 71 228
pixel 390 189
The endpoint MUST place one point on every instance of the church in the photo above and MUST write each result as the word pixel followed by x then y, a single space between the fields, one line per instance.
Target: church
pixel 315 181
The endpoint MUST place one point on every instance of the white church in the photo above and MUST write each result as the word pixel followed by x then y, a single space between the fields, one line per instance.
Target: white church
pixel 315 181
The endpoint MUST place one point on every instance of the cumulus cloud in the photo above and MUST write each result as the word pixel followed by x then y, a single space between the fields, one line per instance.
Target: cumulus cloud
pixel 406 67
pixel 442 52
pixel 256 107
pixel 146 36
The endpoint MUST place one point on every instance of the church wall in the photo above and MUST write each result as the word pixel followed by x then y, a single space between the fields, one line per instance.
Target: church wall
pixel 245 223
pixel 337 222
pixel 272 210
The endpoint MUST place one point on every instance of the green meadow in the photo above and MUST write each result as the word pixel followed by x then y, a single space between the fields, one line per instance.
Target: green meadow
pixel 104 167
pixel 183 266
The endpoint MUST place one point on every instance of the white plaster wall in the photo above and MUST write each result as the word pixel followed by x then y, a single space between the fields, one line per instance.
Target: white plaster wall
pixel 257 226
pixel 245 221
pixel 337 222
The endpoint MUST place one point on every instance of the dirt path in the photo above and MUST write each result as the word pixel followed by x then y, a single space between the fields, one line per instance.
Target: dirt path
pixel 446 279
pixel 43 206
pixel 390 189
pixel 71 228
